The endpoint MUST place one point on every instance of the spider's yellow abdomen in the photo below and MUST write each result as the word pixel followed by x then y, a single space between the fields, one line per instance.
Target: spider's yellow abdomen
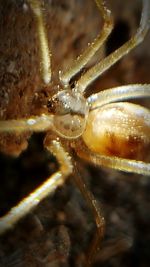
pixel 119 129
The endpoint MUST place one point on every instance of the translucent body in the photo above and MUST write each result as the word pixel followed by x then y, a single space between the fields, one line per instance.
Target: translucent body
pixel 71 111
pixel 119 129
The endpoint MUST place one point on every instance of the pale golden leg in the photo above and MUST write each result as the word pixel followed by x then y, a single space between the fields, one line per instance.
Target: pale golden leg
pixel 121 93
pixel 48 187
pixel 110 60
pixel 33 124
pixel 121 164
pixel 90 51
pixel 45 55
pixel 97 213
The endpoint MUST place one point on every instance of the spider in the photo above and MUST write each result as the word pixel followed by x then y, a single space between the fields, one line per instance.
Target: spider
pixel 101 129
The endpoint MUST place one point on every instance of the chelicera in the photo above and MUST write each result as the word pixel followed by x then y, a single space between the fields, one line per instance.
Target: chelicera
pixel 102 129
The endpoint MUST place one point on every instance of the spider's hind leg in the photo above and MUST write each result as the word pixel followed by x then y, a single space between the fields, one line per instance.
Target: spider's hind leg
pixel 121 164
pixel 97 213
pixel 48 187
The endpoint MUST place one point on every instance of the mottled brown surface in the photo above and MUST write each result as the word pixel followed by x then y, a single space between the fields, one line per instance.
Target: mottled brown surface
pixel 59 231
pixel 19 52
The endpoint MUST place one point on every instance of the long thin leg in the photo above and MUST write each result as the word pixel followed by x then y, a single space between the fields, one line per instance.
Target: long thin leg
pixel 119 93
pixel 83 59
pixel 48 187
pixel 45 56
pixel 110 60
pixel 35 123
pixel 97 213
pixel 121 164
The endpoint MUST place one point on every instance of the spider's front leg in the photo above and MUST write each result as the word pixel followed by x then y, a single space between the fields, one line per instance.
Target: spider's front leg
pixel 45 55
pixel 48 187
pixel 93 73
pixel 92 48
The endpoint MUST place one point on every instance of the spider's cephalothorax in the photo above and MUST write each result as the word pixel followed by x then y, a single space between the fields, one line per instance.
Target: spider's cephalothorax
pixel 113 135
pixel 71 111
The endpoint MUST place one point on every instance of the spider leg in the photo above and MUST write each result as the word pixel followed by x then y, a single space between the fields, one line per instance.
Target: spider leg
pixel 119 93
pixel 35 123
pixel 110 60
pixel 117 163
pixel 45 55
pixel 97 213
pixel 48 187
pixel 83 59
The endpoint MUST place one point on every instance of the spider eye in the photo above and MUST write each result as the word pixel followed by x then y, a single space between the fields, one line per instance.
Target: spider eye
pixel 70 110
pixel 119 129
pixel 59 104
